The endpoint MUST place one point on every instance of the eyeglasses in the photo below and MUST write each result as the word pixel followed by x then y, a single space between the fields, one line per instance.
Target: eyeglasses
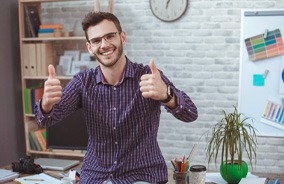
pixel 110 37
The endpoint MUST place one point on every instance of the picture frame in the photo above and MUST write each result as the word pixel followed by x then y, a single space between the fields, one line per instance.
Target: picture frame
pixel 78 66
pixel 65 62
pixel 74 53
pixel 85 56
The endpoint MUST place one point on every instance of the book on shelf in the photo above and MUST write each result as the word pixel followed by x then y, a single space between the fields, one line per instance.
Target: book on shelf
pixel 50 26
pixel 31 96
pixel 32 20
pixel 43 33
pixel 32 142
pixel 41 144
pixel 41 138
pixel 38 140
pixel 26 100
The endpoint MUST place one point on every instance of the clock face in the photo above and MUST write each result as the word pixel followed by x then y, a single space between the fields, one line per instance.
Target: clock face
pixel 168 10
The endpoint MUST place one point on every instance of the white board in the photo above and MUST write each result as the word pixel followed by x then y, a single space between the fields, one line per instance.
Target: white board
pixel 252 98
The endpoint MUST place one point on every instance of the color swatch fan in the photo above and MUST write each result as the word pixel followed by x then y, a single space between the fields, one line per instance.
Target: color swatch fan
pixel 265 45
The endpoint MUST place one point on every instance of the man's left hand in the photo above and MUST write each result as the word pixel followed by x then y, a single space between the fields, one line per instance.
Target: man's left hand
pixel 152 86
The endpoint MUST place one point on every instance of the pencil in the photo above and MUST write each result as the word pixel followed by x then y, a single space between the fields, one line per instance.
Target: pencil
pixel 173 165
pixel 191 154
pixel 33 179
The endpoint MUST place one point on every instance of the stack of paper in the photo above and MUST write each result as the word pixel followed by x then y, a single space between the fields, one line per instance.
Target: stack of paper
pixel 6 175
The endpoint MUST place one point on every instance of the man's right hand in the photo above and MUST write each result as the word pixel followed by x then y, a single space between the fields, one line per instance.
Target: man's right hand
pixel 52 91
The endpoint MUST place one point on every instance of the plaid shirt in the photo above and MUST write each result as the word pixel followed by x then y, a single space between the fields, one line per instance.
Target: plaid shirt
pixel 121 123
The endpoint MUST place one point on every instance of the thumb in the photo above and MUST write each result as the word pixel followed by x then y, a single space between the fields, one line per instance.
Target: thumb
pixel 51 71
pixel 153 67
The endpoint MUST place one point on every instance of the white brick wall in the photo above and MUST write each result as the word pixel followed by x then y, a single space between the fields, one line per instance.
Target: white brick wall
pixel 199 53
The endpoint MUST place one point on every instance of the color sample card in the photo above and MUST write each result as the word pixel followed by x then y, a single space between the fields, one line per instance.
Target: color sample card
pixel 274 112
pixel 259 47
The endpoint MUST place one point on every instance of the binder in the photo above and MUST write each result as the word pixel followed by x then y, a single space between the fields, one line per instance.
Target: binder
pixel 38 59
pixel 26 60
pixel 32 57
pixel 46 57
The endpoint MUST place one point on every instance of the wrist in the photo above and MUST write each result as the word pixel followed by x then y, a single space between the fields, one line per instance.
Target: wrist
pixel 172 104
pixel 45 108
pixel 170 94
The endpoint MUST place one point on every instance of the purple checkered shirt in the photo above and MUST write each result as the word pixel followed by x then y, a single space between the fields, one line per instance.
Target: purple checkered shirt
pixel 122 125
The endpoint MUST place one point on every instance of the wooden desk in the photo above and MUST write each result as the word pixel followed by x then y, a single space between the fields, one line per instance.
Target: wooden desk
pixel 170 173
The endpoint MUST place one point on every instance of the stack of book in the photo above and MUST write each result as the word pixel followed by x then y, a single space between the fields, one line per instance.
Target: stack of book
pixel 31 96
pixel 50 30
pixel 38 140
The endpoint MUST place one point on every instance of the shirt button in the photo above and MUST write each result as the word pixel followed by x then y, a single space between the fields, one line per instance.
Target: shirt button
pixel 114 108
pixel 115 143
pixel 114 88
pixel 114 128
pixel 115 162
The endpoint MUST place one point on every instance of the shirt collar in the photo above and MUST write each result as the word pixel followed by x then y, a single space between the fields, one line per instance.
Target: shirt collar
pixel 128 72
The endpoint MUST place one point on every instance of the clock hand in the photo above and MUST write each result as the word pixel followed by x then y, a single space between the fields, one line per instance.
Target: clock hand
pixel 168 3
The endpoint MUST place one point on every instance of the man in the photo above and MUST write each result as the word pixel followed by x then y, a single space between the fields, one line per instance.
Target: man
pixel 121 101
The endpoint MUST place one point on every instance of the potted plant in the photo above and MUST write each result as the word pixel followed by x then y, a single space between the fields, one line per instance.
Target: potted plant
pixel 232 136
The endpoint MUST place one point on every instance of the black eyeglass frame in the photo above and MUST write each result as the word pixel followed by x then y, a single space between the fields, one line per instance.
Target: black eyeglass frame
pixel 103 37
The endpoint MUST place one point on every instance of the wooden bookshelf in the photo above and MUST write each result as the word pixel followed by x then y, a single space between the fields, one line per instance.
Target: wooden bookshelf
pixel 28 79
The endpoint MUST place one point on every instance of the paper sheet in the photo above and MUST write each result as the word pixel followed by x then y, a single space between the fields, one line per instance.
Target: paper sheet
pixel 41 178
pixel 217 178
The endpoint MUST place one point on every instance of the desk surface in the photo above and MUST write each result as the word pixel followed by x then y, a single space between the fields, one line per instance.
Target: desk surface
pixel 170 173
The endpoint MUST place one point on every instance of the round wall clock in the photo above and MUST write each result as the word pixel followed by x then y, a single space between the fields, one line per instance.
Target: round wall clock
pixel 168 10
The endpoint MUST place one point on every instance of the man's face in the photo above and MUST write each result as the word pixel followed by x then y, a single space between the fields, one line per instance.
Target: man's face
pixel 106 43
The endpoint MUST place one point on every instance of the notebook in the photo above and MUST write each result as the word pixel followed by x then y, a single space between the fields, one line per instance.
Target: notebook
pixel 254 181
pixel 7 175
pixel 56 164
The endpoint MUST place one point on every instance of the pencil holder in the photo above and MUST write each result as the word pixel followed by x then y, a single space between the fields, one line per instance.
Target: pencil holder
pixel 181 177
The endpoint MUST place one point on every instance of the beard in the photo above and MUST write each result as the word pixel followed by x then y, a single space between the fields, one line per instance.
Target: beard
pixel 110 63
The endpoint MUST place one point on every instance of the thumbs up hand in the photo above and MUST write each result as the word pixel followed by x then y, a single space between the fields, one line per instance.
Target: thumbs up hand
pixel 151 85
pixel 52 91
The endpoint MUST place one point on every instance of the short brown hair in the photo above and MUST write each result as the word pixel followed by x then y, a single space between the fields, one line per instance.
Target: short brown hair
pixel 94 18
